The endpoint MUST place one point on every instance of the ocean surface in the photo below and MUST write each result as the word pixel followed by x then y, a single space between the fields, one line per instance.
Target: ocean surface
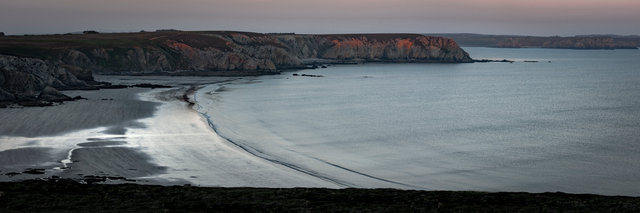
pixel 569 122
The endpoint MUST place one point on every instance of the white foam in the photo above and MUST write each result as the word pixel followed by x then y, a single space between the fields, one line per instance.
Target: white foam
pixel 178 138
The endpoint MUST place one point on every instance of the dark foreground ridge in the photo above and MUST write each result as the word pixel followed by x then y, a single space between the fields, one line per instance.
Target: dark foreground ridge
pixel 70 196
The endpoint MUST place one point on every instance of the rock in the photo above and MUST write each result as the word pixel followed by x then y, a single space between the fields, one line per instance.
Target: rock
pixel 11 174
pixel 53 95
pixel 393 48
pixel 113 86
pixel 34 82
pixel 34 171
pixel 152 86
pixel 315 76
pixel 490 60
pixel 242 53
pixel 6 96
pixel 35 103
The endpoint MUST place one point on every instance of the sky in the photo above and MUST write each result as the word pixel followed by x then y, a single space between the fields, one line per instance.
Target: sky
pixel 513 17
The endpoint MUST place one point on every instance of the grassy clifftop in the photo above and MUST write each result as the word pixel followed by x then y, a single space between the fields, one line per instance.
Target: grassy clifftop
pixel 224 50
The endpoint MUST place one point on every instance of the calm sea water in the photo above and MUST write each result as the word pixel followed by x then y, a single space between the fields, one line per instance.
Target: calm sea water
pixel 570 122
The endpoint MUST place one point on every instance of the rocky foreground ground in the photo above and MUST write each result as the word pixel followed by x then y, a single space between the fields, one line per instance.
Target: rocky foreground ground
pixel 70 196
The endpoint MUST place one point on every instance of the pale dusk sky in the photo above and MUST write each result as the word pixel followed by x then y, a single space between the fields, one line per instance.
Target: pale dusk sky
pixel 526 17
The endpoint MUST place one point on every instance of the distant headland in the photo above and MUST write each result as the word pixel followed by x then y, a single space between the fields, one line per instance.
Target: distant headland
pixel 570 42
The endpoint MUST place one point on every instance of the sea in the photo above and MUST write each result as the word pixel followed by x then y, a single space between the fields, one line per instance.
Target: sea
pixel 552 120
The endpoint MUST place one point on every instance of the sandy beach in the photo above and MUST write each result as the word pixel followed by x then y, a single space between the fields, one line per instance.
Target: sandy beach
pixel 144 135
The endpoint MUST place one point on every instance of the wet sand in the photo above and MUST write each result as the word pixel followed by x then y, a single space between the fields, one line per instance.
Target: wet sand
pixel 44 138
pixel 152 136
pixel 114 108
pixel 111 161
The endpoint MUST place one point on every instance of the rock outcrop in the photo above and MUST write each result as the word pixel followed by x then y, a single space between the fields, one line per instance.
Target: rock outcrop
pixel 35 67
pixel 226 53
pixel 36 82
pixel 374 48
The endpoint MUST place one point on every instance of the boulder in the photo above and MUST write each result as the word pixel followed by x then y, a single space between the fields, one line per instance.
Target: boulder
pixel 53 95
pixel 6 96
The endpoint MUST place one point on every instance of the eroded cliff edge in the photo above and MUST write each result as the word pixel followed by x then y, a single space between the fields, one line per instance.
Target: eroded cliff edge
pixel 225 53
pixel 29 64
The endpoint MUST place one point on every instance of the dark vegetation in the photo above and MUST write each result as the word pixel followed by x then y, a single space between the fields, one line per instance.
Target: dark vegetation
pixel 377 36
pixel 47 46
pixel 68 196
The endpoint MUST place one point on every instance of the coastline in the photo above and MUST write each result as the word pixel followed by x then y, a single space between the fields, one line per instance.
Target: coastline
pixel 176 133
pixel 169 143
pixel 285 157
pixel 181 147
pixel 195 153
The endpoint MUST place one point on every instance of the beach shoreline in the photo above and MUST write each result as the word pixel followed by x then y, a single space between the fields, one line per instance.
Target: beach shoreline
pixel 76 139
pixel 167 143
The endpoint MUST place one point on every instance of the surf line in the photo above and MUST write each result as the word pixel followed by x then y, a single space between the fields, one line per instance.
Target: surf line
pixel 369 176
pixel 262 155
pixel 259 154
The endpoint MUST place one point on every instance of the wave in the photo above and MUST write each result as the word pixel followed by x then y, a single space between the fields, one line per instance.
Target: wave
pixel 337 170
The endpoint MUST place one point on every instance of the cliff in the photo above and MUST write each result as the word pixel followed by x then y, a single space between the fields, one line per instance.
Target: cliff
pixel 33 64
pixel 225 53
pixel 376 48
pixel 29 81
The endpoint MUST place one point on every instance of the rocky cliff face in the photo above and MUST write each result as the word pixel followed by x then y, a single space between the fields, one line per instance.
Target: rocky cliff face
pixel 375 48
pixel 34 67
pixel 394 48
pixel 227 53
pixel 34 80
